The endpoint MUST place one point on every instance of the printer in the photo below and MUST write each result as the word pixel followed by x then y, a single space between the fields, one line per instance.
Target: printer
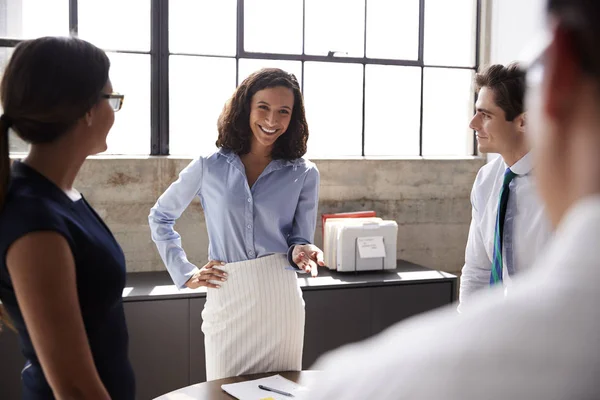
pixel 360 244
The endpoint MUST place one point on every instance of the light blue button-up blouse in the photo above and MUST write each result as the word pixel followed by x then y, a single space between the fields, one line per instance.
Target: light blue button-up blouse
pixel 243 223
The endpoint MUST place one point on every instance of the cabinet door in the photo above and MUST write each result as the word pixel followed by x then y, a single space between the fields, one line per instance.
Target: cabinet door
pixel 11 364
pixel 197 355
pixel 159 339
pixel 334 318
pixel 395 303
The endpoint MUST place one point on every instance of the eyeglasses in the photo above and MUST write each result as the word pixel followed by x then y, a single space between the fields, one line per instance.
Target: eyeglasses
pixel 115 100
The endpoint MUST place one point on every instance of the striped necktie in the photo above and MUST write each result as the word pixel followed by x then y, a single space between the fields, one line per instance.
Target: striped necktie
pixel 497 263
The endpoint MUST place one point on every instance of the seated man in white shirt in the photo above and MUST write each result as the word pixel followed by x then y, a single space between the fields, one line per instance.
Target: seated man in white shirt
pixel 507 211
pixel 543 340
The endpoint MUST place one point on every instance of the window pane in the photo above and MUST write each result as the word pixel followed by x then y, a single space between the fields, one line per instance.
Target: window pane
pixel 115 24
pixel 248 66
pixel 335 25
pixel 393 29
pixel 130 75
pixel 198 89
pixel 447 109
pixel 15 144
pixel 450 32
pixel 392 110
pixel 273 26
pixel 5 53
pixel 26 19
pixel 203 27
pixel 333 102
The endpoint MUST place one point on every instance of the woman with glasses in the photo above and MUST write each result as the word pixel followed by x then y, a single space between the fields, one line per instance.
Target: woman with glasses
pixel 260 199
pixel 61 271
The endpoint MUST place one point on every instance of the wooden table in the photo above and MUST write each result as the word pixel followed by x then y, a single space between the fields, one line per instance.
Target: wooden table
pixel 211 390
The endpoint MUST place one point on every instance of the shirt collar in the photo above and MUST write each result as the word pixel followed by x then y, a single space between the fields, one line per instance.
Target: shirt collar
pixel 234 159
pixel 523 166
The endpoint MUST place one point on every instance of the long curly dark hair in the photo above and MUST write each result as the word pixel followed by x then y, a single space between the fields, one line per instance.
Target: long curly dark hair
pixel 234 121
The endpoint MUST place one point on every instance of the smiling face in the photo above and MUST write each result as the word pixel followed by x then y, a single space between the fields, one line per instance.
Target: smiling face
pixel 494 133
pixel 270 115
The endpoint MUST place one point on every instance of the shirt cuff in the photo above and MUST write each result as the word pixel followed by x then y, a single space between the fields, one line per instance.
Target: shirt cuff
pixel 182 273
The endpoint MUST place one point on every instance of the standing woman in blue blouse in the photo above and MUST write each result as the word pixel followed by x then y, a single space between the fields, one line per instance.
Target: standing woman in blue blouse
pixel 260 202
pixel 62 272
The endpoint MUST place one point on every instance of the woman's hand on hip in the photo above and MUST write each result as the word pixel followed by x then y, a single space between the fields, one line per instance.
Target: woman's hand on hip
pixel 206 274
pixel 308 257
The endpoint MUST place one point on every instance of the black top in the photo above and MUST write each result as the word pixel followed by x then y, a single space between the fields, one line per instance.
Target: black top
pixel 34 203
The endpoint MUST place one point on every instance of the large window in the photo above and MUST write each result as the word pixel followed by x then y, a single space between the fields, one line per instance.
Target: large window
pixel 380 77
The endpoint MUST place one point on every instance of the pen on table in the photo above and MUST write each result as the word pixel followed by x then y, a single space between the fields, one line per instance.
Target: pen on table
pixel 275 391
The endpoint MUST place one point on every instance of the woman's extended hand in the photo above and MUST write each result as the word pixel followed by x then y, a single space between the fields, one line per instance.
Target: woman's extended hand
pixel 308 257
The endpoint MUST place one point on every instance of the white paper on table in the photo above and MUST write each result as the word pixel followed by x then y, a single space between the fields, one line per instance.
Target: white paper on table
pixel 249 390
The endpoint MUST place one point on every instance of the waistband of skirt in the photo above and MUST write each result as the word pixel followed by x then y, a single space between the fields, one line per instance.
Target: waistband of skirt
pixel 277 259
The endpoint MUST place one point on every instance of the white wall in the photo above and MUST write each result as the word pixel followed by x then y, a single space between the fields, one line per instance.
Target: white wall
pixel 514 24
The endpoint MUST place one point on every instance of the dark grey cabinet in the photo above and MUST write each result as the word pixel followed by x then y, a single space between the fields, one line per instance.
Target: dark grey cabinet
pixel 392 304
pixel 165 331
pixel 197 364
pixel 334 318
pixel 338 317
pixel 159 342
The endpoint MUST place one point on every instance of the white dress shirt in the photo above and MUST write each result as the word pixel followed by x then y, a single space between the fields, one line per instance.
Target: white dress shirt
pixel 540 342
pixel 526 226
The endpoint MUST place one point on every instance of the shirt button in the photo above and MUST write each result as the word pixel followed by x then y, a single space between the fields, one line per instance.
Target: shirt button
pixel 250 253
pixel 249 199
pixel 249 226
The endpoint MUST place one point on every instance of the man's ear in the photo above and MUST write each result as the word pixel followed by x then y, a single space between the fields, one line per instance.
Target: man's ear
pixel 88 118
pixel 521 122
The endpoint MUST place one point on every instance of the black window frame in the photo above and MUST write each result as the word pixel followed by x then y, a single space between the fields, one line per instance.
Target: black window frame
pixel 159 64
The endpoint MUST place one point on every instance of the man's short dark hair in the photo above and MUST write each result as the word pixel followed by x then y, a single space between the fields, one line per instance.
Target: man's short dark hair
pixel 507 84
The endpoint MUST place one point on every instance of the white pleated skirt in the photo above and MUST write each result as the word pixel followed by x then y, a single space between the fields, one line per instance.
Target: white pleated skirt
pixel 254 323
